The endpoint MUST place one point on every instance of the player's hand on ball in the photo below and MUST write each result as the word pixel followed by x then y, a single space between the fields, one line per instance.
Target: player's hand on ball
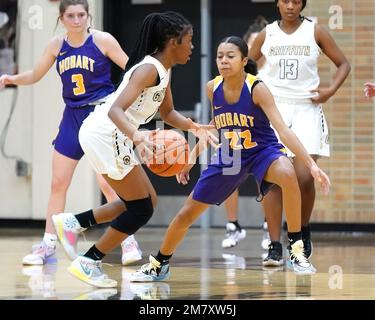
pixel 146 148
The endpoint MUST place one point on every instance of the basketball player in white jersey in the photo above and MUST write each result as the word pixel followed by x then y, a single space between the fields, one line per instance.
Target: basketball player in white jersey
pixel 83 58
pixel 107 137
pixel 291 47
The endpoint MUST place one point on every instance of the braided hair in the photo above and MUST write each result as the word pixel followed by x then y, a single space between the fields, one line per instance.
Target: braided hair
pixel 157 28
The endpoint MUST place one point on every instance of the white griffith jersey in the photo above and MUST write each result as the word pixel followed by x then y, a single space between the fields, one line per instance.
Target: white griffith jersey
pixel 291 69
pixel 147 104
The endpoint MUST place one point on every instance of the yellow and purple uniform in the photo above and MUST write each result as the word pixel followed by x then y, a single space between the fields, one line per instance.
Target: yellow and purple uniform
pixel 86 81
pixel 248 145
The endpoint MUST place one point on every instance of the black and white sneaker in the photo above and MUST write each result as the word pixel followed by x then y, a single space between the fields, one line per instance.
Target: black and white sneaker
pixel 275 255
pixel 308 247
pixel 297 260
pixel 233 235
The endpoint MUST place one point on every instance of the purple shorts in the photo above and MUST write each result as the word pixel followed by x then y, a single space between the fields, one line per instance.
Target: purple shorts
pixel 66 141
pixel 216 183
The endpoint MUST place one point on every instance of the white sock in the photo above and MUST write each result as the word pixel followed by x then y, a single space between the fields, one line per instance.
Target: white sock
pixel 129 239
pixel 50 239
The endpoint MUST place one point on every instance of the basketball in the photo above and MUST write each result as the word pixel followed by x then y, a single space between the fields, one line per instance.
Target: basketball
pixel 174 153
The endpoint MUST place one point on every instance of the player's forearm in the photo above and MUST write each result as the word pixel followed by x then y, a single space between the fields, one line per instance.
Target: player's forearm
pixel 119 118
pixel 292 142
pixel 340 76
pixel 177 120
pixel 25 78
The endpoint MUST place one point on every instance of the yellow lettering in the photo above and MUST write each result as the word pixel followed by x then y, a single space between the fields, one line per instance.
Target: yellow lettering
pixel 85 63
pixel 92 65
pixel 222 120
pixel 67 64
pixel 251 121
pixel 61 67
pixel 79 62
pixel 229 118
pixel 72 62
pixel 243 120
pixel 217 123
pixel 236 121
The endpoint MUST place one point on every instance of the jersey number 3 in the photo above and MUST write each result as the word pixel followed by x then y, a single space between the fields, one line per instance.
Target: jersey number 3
pixel 80 85
pixel 236 137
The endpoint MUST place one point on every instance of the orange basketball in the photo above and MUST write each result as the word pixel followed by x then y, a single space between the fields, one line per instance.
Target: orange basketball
pixel 173 155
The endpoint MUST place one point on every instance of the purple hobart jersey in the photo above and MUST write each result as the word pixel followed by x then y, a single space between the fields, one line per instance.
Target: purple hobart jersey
pixel 249 145
pixel 86 78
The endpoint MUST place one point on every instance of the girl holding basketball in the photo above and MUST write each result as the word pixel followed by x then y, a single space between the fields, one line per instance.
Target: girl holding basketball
pixel 83 59
pixel 108 134
pixel 243 108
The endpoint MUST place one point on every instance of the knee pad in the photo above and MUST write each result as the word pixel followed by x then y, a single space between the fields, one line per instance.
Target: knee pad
pixel 137 215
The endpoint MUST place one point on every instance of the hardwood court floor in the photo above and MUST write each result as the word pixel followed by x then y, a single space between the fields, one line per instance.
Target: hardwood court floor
pixel 200 269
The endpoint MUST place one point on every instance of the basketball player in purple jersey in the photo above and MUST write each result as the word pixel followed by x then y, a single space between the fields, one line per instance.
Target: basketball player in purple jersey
pixel 83 60
pixel 243 108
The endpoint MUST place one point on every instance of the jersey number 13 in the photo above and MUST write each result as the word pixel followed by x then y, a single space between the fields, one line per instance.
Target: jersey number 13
pixel 289 69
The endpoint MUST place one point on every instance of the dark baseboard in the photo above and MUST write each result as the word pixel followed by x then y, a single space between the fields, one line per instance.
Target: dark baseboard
pixel 340 227
pixel 22 223
pixel 344 227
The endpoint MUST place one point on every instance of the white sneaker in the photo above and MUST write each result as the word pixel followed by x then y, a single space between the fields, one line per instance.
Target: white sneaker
pixel 233 261
pixel 266 241
pixel 297 260
pixel 130 251
pixel 40 254
pixel 233 235
pixel 100 294
pixel 67 228
pixel 150 290
pixel 91 272
pixel 152 271
pixel 42 279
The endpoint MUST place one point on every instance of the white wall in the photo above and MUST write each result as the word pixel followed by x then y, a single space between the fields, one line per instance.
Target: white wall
pixel 34 124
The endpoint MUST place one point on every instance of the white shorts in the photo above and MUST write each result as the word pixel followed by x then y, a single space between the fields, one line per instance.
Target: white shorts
pixel 308 122
pixel 108 150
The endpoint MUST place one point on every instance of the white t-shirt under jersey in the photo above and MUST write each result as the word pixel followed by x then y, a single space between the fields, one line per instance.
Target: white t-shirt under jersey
pixel 291 69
